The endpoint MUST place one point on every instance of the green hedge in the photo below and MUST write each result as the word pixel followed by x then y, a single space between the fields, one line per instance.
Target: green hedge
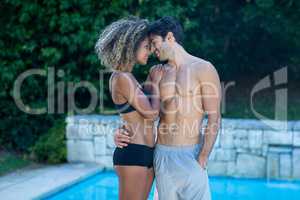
pixel 51 147
pixel 242 38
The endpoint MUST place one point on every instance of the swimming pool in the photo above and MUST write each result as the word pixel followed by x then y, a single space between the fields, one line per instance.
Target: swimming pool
pixel 104 186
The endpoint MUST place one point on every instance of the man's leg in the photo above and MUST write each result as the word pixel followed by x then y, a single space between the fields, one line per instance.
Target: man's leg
pixel 178 174
pixel 197 185
pixel 165 184
pixel 166 188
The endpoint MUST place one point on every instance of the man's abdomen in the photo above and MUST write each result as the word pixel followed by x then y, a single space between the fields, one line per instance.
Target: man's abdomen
pixel 180 123
pixel 180 132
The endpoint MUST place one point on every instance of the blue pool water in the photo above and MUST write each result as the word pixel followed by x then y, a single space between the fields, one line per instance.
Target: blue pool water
pixel 104 186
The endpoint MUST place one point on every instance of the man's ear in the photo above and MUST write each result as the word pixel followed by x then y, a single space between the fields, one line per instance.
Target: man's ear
pixel 170 37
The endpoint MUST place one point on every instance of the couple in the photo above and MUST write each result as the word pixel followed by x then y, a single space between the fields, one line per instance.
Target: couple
pixel 178 92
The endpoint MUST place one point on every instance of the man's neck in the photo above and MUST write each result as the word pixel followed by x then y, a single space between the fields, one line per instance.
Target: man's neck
pixel 180 57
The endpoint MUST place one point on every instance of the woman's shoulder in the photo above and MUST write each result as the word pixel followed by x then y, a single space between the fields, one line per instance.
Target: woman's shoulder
pixel 122 78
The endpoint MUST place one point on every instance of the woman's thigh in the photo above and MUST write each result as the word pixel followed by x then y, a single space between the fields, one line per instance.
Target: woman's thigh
pixel 150 178
pixel 133 182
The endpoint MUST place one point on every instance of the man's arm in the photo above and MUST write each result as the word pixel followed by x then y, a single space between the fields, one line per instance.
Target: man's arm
pixel 211 101
pixel 121 137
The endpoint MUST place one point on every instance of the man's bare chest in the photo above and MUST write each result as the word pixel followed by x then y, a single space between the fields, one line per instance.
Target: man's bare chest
pixel 178 83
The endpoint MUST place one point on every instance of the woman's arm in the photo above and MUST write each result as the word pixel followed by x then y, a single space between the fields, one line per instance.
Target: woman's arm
pixel 130 90
pixel 121 136
pixel 151 85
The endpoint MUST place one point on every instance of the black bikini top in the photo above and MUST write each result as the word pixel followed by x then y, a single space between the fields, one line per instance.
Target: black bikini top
pixel 126 107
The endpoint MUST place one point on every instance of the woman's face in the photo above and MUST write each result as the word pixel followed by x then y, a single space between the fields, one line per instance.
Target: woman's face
pixel 143 52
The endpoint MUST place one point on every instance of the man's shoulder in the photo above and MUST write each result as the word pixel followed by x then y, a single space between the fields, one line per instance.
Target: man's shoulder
pixel 204 69
pixel 200 64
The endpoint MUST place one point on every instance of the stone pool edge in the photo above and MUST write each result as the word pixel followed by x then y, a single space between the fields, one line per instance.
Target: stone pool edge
pixel 45 180
pixel 69 184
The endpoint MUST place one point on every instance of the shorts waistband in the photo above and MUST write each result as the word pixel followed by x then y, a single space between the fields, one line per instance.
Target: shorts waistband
pixel 176 147
pixel 140 146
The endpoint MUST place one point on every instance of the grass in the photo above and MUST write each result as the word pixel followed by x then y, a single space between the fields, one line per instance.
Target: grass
pixel 10 162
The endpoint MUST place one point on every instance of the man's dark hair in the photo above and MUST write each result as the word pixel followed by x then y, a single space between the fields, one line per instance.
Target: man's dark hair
pixel 167 24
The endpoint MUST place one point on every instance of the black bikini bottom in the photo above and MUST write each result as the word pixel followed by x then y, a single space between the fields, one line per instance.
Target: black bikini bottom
pixel 134 154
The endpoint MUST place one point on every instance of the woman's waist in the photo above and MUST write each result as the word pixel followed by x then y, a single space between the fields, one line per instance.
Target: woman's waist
pixel 143 140
pixel 132 145
pixel 137 128
pixel 141 134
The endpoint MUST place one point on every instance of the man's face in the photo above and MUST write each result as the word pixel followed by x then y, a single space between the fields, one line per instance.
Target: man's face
pixel 160 47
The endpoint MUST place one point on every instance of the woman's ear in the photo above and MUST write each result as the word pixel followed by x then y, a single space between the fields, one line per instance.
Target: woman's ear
pixel 170 37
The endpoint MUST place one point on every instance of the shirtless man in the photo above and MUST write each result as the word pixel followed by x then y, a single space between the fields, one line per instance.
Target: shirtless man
pixel 189 88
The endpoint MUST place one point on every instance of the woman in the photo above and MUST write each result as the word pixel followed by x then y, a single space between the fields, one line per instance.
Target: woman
pixel 121 45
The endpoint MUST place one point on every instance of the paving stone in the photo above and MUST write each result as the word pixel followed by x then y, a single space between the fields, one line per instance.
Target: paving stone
pixel 225 154
pixel 250 166
pixel 80 150
pixel 296 163
pixel 285 166
pixel 217 168
pixel 278 137
pixel 100 145
pixel 226 139
pixel 296 139
pixel 273 166
pixel 255 139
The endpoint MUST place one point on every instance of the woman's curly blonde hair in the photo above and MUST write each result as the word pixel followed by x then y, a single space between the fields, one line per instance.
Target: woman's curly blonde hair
pixel 118 43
